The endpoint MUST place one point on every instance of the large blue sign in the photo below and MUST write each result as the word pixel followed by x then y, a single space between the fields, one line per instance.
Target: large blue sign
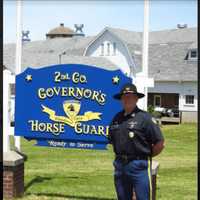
pixel 69 105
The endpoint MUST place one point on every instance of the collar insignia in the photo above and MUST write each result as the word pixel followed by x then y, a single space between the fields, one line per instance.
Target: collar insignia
pixel 133 115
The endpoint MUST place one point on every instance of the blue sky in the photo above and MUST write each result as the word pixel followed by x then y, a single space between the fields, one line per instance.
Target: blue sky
pixel 40 16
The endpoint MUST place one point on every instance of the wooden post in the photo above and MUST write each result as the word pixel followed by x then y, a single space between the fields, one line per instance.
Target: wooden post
pixel 155 167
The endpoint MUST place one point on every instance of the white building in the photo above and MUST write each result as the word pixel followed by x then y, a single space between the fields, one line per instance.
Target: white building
pixel 172 60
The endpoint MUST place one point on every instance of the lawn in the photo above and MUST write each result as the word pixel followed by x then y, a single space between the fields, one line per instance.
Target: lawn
pixel 73 174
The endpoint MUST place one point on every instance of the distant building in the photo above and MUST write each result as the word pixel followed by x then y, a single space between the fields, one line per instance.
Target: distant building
pixel 172 60
pixel 60 32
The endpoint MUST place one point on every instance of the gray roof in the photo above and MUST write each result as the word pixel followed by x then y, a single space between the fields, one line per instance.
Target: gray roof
pixel 129 37
pixel 43 53
pixel 168 63
pixel 37 60
pixel 167 52
pixel 58 45
pixel 157 37
pixel 193 45
pixel 173 36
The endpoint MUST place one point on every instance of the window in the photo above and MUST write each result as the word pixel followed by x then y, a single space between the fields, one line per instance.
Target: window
pixel 157 101
pixel 193 54
pixel 102 49
pixel 108 49
pixel 114 48
pixel 189 99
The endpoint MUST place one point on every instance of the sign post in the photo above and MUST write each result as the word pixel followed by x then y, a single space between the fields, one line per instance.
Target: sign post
pixel 18 53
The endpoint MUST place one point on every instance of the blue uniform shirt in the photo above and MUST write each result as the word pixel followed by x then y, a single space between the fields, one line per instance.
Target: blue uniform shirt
pixel 134 134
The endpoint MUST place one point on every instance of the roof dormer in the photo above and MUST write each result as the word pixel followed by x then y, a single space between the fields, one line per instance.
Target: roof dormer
pixel 192 55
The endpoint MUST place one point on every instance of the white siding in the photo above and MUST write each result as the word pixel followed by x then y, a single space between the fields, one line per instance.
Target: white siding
pixel 184 88
pixel 121 58
pixel 188 89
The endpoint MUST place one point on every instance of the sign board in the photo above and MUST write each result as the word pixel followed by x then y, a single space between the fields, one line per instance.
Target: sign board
pixel 68 105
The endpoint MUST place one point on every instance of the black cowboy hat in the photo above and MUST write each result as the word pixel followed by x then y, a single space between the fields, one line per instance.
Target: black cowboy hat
pixel 128 88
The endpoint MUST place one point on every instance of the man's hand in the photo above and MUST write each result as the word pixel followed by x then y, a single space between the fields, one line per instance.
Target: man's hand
pixel 157 148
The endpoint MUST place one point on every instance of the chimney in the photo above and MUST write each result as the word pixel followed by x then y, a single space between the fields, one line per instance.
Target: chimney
pixel 181 26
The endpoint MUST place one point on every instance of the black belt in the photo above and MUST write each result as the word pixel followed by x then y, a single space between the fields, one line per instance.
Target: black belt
pixel 128 158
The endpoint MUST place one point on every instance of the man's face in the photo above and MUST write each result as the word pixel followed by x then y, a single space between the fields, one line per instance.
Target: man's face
pixel 129 100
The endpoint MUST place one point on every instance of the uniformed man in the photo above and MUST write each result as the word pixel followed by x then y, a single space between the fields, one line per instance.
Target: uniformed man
pixel 136 138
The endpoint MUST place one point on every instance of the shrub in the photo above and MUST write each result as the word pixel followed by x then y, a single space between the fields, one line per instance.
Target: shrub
pixel 150 109
pixel 154 113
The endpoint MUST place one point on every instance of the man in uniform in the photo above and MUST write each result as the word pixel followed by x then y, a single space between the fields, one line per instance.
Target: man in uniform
pixel 136 138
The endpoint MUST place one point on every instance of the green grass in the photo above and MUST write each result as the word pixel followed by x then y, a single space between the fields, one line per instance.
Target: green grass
pixel 72 174
pixel 177 177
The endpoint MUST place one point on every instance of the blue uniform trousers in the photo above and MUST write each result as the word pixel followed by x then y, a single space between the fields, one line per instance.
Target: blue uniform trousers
pixel 135 174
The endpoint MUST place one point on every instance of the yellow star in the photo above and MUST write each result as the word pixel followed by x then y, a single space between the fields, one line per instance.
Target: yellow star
pixel 28 77
pixel 115 80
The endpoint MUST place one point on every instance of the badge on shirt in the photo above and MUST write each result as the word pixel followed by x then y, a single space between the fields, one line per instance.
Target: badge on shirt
pixel 131 134
pixel 132 124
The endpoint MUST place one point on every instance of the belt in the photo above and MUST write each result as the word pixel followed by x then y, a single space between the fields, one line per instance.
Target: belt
pixel 128 158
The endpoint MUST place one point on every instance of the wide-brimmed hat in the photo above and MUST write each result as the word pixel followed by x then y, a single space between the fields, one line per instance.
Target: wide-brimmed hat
pixel 128 89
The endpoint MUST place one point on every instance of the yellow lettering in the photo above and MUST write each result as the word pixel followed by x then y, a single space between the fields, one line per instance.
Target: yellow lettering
pixel 41 93
pixel 101 130
pixel 56 90
pixel 102 99
pixel 55 128
pixel 95 95
pixel 87 93
pixel 71 91
pixel 107 131
pixel 83 79
pixel 62 128
pixel 34 125
pixel 74 92
pixel 48 128
pixel 57 77
pixel 42 127
pixel 85 129
pixel 79 92
pixel 93 129
pixel 75 77
pixel 64 91
pixel 77 128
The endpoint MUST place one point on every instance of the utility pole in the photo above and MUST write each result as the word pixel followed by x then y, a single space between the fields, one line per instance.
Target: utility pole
pixel 18 52
pixel 145 53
